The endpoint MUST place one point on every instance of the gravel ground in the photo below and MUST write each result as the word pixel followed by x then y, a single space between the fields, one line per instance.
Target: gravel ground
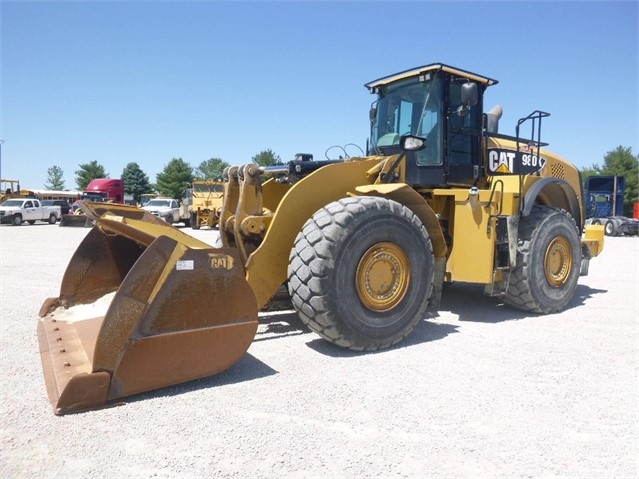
pixel 478 390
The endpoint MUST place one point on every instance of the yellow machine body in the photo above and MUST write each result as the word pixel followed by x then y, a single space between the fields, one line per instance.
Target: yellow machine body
pixel 361 246
pixel 208 196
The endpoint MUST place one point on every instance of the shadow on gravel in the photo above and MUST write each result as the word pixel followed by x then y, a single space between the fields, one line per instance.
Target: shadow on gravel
pixel 274 325
pixel 246 369
pixel 469 303
pixel 582 293
pixel 424 332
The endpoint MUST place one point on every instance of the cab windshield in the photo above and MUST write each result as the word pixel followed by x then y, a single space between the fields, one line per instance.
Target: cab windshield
pixel 94 197
pixel 12 203
pixel 411 106
pixel 159 203
pixel 208 188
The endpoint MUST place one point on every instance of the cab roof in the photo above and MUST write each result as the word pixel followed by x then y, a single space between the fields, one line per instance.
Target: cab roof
pixel 372 86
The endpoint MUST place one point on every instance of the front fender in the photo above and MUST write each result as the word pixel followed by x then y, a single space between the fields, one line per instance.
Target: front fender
pixel 405 195
pixel 266 267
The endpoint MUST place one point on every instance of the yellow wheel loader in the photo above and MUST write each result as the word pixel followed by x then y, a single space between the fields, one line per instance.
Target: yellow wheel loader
pixel 361 246
pixel 9 189
pixel 208 196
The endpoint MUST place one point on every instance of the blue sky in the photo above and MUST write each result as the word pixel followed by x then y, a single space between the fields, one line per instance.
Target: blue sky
pixel 145 82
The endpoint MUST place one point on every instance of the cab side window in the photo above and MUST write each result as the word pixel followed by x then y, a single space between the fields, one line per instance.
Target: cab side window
pixel 461 127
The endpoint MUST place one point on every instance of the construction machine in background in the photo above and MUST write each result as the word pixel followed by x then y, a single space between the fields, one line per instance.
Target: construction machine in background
pixel 362 245
pixel 146 197
pixel 8 188
pixel 206 203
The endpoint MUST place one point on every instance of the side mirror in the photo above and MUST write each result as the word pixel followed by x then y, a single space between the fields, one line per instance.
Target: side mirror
pixel 412 143
pixel 469 95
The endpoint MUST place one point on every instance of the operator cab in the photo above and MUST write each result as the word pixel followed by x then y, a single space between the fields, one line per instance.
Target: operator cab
pixel 444 106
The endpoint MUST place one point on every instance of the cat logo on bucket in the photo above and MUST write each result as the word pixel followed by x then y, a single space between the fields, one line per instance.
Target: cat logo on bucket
pixel 221 261
pixel 509 162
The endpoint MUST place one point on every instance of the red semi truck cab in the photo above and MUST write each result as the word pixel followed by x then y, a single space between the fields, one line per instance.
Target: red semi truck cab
pixel 104 190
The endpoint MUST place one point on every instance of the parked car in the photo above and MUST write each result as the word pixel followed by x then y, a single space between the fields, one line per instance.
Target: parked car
pixel 166 208
pixel 64 205
pixel 17 210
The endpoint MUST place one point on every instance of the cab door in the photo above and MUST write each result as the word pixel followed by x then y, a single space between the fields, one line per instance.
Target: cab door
pixel 427 168
pixel 463 136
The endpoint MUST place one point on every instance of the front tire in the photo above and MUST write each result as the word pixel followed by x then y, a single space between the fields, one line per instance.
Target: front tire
pixel 17 220
pixel 361 272
pixel 548 262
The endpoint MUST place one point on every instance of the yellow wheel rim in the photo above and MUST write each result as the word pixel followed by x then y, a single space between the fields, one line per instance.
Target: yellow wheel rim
pixel 558 262
pixel 382 277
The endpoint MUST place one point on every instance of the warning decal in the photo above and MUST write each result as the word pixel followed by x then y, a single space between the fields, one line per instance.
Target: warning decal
pixel 184 264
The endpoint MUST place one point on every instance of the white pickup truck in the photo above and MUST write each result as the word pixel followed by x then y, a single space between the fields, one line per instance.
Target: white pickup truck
pixel 17 210
pixel 166 208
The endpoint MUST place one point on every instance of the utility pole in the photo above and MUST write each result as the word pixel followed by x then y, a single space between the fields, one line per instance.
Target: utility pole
pixel 1 142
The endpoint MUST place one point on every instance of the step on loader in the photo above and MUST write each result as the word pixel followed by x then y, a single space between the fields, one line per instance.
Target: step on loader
pixel 362 246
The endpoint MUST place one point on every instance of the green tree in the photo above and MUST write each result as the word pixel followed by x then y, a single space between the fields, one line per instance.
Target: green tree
pixel 621 162
pixel 55 179
pixel 211 169
pixel 594 170
pixel 266 158
pixel 175 178
pixel 136 182
pixel 87 172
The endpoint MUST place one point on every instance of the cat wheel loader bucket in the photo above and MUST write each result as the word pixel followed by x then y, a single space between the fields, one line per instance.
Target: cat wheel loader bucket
pixel 176 310
pixel 79 220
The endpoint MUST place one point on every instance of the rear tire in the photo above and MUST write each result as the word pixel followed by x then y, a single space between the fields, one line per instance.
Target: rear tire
pixel 52 219
pixel 361 272
pixel 611 228
pixel 548 262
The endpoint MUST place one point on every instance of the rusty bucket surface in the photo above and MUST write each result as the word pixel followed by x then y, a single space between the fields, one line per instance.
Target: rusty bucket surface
pixel 142 306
